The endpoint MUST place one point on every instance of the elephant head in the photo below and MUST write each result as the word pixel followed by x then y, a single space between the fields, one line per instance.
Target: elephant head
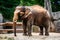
pixel 22 11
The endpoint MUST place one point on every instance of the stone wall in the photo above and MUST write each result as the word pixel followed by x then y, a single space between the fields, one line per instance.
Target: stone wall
pixel 56 15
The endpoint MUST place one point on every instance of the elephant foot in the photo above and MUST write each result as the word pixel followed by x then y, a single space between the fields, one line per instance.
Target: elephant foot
pixel 46 34
pixel 29 34
pixel 25 34
pixel 41 34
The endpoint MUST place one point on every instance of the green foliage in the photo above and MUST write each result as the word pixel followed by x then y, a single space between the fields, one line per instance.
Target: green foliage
pixel 31 2
pixel 7 8
pixel 55 5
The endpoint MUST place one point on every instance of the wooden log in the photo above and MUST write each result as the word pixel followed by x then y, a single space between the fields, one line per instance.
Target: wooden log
pixel 10 24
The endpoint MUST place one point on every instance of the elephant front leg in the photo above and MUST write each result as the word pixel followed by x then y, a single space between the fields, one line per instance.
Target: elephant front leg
pixel 24 27
pixel 29 25
pixel 24 31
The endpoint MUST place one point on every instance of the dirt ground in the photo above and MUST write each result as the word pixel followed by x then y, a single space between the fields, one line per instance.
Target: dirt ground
pixel 35 36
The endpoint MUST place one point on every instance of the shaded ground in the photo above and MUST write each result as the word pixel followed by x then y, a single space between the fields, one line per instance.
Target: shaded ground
pixel 35 36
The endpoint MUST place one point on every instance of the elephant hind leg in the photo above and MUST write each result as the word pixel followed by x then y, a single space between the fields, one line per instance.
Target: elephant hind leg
pixel 41 30
pixel 46 31
pixel 46 25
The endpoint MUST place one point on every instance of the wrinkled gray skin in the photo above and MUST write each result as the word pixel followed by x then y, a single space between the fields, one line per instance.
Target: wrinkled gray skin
pixel 33 15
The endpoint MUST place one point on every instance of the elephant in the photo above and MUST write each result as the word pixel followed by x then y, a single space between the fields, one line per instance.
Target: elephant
pixel 32 15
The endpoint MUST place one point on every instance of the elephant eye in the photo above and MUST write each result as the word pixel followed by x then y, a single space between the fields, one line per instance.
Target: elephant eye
pixel 23 10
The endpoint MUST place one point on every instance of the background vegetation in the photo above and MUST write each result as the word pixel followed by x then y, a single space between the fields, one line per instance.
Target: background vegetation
pixel 7 6
pixel 55 5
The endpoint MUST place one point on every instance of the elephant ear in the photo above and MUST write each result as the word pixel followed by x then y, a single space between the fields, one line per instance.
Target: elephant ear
pixel 18 7
pixel 27 12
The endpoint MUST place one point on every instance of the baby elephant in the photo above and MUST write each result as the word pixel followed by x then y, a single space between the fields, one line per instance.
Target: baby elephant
pixel 32 15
